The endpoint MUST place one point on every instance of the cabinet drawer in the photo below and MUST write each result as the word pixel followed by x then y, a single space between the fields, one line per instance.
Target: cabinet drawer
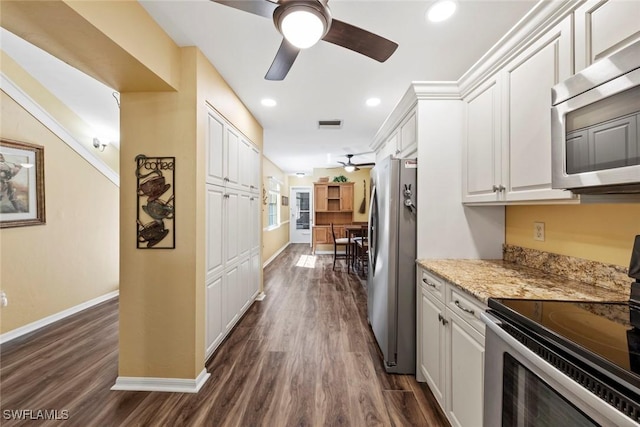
pixel 466 307
pixel 433 284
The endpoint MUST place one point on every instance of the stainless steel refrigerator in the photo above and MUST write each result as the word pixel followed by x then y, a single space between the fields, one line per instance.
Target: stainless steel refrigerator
pixel 391 280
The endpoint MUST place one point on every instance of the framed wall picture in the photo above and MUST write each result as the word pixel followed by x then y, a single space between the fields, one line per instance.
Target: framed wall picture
pixel 285 201
pixel 21 184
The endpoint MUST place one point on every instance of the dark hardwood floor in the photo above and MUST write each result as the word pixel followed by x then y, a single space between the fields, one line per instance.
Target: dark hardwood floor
pixel 305 356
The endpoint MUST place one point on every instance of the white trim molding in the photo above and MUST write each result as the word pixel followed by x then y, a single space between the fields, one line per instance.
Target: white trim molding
pixel 261 296
pixel 40 114
pixel 170 385
pixel 34 326
pixel 278 252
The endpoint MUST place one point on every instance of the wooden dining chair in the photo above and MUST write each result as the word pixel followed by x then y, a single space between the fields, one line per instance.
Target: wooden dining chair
pixel 339 241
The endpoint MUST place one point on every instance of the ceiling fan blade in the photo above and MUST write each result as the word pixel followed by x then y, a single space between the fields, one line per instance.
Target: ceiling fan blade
pixel 283 61
pixel 257 7
pixel 359 40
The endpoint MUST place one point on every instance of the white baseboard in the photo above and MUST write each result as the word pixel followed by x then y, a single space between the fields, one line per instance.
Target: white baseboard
pixel 278 252
pixel 23 330
pixel 171 385
pixel 261 296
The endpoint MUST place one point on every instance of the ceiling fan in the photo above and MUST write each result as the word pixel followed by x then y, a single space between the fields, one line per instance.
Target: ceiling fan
pixel 350 167
pixel 303 23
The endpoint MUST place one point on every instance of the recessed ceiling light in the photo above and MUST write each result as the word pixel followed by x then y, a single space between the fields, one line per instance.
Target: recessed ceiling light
pixel 441 10
pixel 300 174
pixel 373 102
pixel 268 102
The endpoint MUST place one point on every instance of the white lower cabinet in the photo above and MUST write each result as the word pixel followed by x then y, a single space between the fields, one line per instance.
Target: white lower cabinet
pixel 450 349
pixel 465 373
pixel 215 327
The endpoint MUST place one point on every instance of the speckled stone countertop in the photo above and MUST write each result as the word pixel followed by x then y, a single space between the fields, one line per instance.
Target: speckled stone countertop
pixel 502 279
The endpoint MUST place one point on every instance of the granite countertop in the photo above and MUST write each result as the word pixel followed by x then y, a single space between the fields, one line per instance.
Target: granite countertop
pixel 502 279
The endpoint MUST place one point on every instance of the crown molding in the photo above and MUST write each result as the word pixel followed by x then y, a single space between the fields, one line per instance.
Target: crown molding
pixel 543 16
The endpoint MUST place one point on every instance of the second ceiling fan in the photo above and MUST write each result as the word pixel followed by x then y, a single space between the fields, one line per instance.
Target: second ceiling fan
pixel 350 167
pixel 303 23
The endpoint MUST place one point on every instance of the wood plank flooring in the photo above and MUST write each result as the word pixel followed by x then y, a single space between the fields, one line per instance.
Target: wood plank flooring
pixel 305 356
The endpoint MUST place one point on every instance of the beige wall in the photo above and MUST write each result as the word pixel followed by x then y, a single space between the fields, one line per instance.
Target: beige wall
pixel 276 238
pixel 596 232
pixel 71 259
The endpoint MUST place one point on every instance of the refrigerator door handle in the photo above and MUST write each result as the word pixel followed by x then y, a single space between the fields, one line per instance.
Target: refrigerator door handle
pixel 372 237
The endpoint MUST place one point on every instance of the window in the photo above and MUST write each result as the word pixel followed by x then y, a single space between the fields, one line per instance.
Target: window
pixel 274 202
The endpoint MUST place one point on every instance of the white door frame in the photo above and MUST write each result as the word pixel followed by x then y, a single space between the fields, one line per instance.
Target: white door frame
pixel 294 234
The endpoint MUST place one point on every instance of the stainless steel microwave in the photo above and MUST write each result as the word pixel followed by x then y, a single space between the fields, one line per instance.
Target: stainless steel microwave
pixel 595 125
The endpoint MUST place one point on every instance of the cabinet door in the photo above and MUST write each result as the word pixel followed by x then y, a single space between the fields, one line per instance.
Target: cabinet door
pixel 230 297
pixel 244 224
pixel 232 147
pixel 528 82
pixel 256 266
pixel 431 344
pixel 603 27
pixel 244 288
pixel 321 235
pixel 215 149
pixel 214 229
pixel 232 225
pixel 482 156
pixel 245 164
pixel 256 167
pixel 346 198
pixel 465 373
pixel 320 197
pixel 215 326
pixel 256 225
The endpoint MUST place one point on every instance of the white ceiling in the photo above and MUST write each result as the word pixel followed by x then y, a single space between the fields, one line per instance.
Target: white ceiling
pixel 326 82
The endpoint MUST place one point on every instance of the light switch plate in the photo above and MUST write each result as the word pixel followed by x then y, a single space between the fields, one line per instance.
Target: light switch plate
pixel 538 231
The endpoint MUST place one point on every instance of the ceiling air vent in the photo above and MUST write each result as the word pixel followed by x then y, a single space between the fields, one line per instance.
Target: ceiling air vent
pixel 329 124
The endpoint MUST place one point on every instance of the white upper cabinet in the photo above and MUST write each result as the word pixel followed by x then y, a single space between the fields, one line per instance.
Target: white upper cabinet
pixel 255 161
pixel 402 142
pixel 482 155
pixel 528 80
pixel 603 27
pixel 232 151
pixel 507 152
pixel 215 150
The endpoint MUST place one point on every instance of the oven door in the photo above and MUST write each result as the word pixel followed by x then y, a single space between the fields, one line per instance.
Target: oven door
pixel 522 389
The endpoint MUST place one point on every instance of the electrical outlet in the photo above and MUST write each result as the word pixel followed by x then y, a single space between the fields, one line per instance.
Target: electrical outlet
pixel 3 299
pixel 538 231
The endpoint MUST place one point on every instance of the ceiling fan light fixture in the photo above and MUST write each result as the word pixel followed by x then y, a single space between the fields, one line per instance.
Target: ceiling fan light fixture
pixel 441 10
pixel 302 26
pixel 349 168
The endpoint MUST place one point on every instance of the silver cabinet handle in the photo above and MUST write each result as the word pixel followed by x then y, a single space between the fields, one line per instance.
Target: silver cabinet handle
pixel 428 283
pixel 226 196
pixel 501 188
pixel 226 179
pixel 457 303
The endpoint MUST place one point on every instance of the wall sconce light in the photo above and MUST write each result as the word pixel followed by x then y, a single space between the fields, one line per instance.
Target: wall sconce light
pixel 99 145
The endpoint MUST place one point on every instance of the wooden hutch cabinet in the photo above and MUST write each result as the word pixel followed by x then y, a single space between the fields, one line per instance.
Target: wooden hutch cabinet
pixel 333 203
